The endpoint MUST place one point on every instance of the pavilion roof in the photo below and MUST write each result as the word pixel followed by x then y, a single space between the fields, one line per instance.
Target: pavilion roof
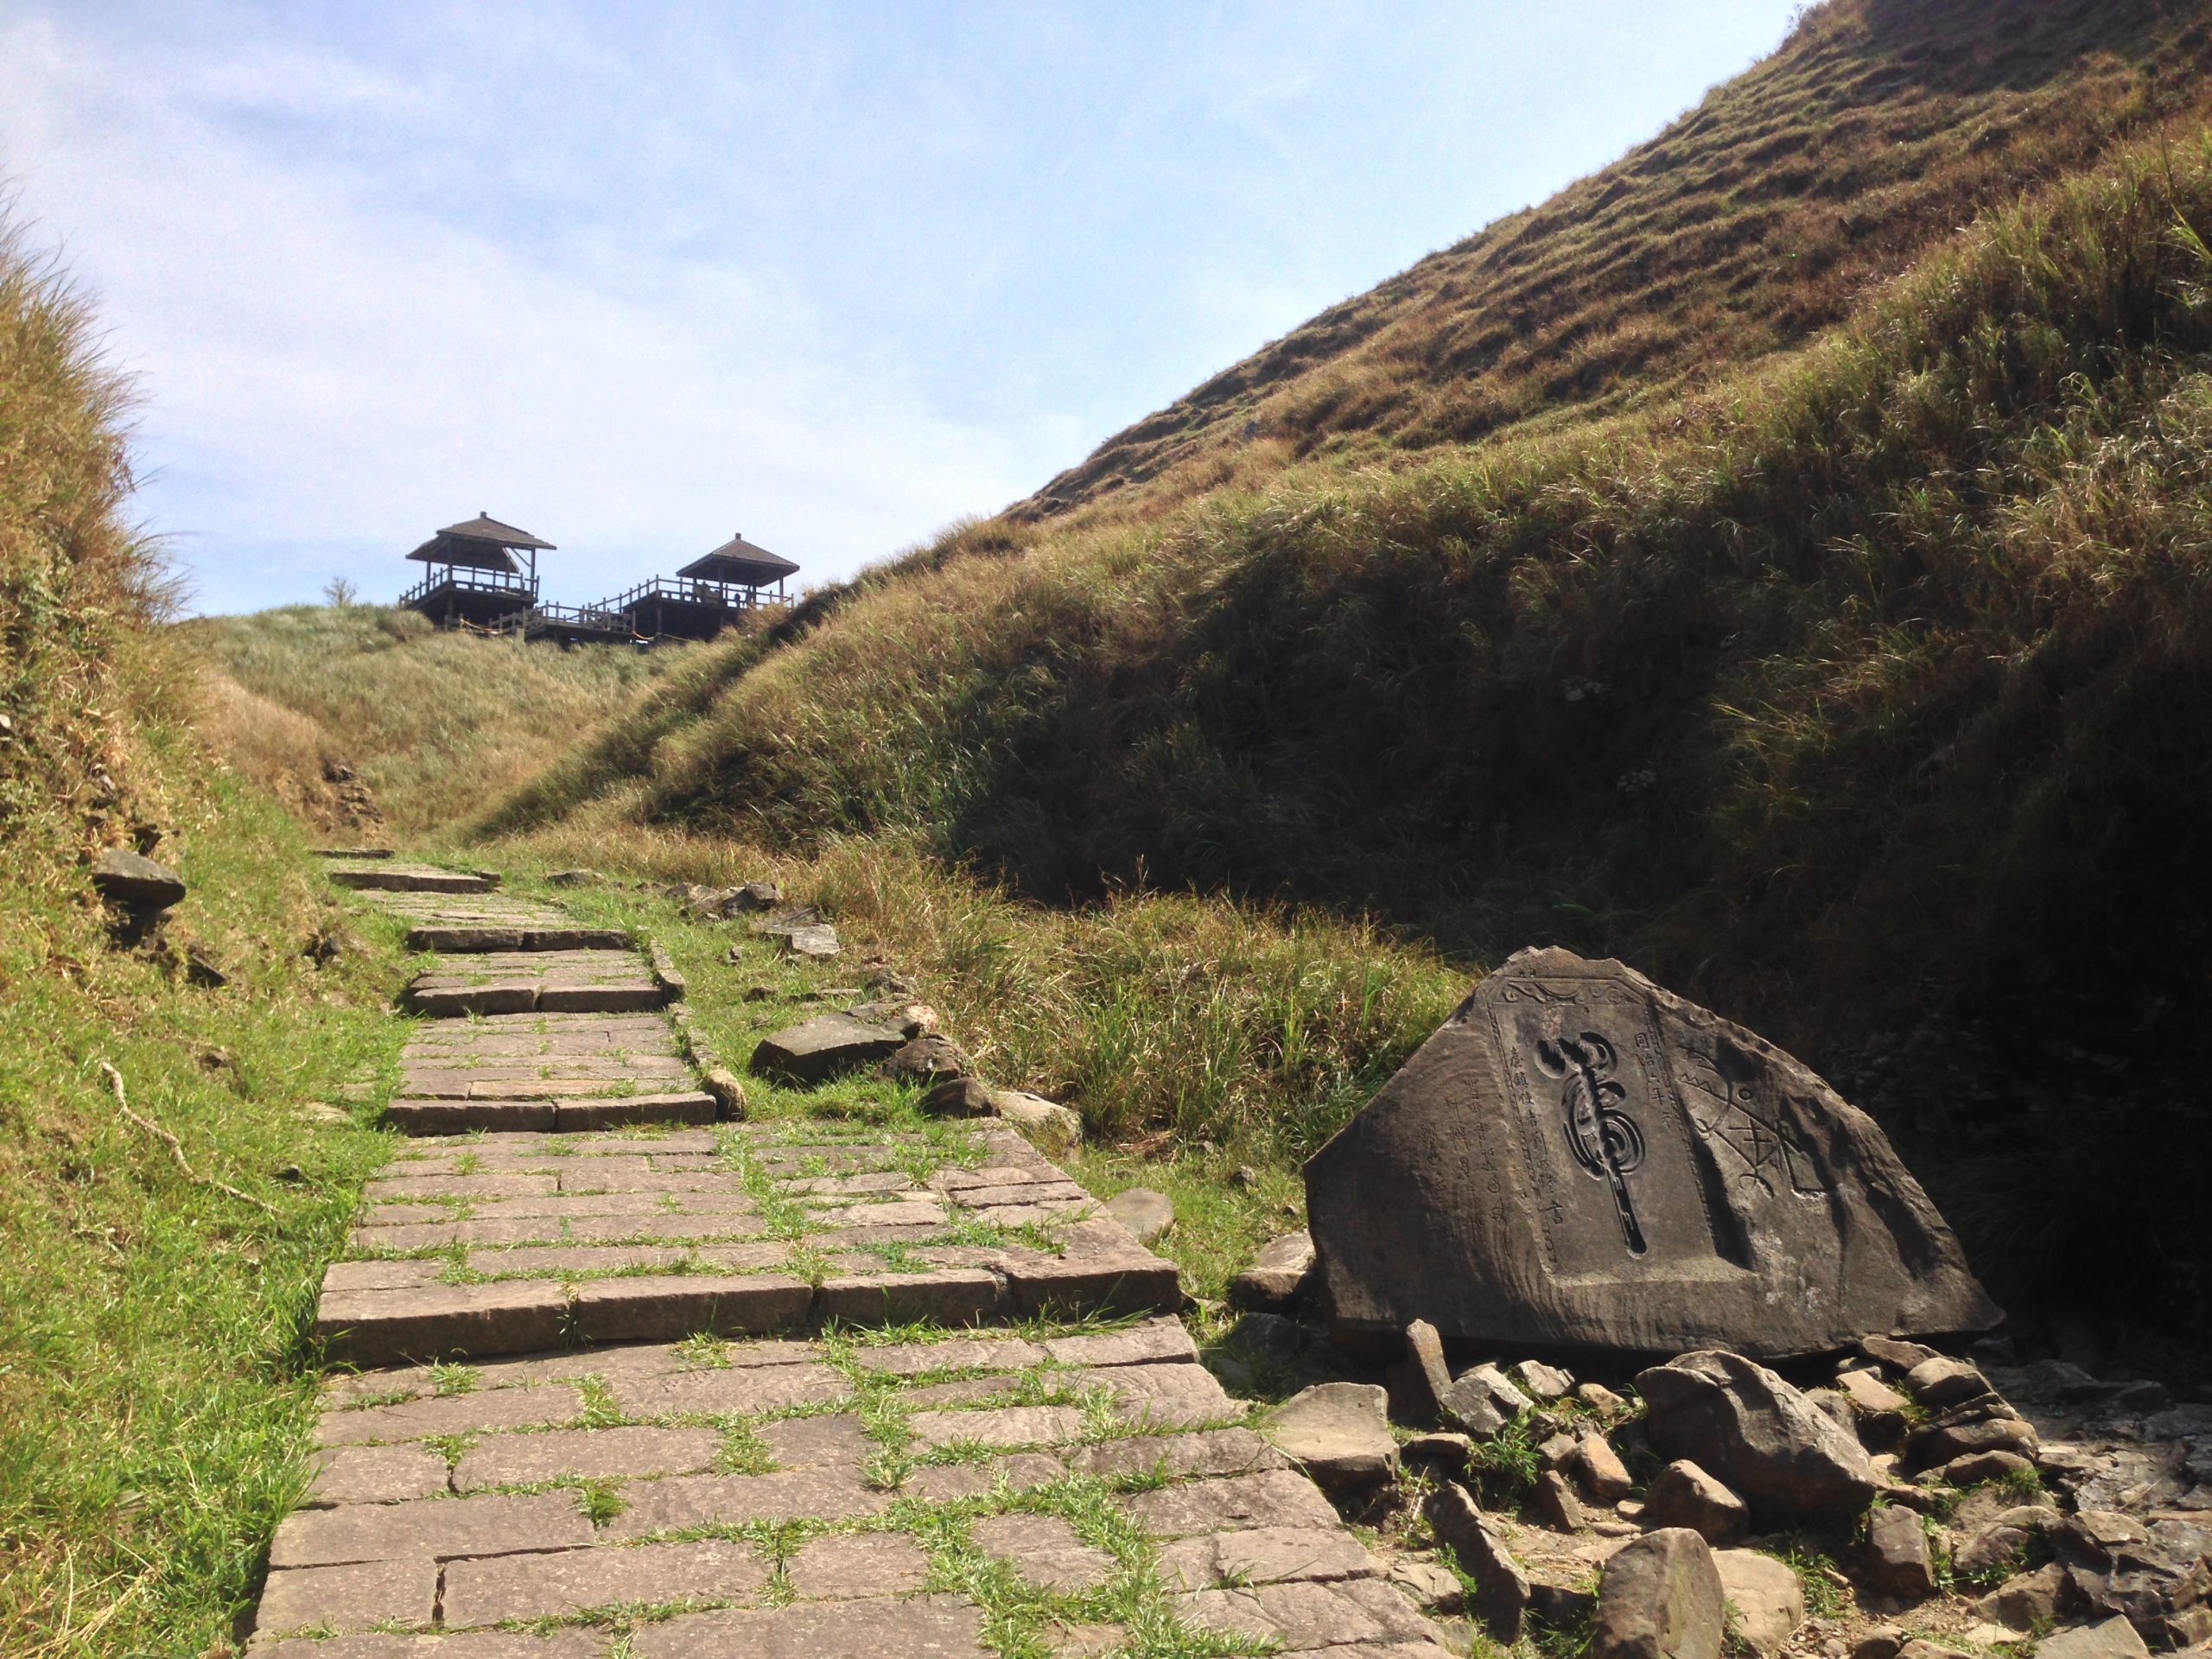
pixel 478 544
pixel 740 563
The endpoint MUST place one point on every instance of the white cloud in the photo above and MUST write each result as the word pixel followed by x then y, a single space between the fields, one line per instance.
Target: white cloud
pixel 330 375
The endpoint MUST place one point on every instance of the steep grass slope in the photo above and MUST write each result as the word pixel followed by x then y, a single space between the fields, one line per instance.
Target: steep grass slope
pixel 431 723
pixel 153 1405
pixel 1861 688
pixel 1754 221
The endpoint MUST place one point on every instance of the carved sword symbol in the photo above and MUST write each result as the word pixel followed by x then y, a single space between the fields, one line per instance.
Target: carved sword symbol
pixel 1605 1140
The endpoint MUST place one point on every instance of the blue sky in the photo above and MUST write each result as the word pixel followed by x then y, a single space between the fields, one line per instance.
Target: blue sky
pixel 833 275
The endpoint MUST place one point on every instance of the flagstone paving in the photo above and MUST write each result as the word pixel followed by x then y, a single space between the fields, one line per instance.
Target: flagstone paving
pixel 800 1388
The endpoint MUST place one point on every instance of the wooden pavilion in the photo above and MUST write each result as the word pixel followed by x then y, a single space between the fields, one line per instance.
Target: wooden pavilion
pixel 706 595
pixel 474 576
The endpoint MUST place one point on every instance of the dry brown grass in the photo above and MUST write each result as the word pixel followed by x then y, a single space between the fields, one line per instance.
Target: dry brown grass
pixel 1754 221
pixel 433 723
pixel 1246 1028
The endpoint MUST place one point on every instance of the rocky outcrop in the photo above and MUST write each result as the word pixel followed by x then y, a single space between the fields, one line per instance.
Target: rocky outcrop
pixel 1580 1159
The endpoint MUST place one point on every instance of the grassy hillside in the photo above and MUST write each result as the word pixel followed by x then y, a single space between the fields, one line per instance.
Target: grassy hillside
pixel 431 731
pixel 1857 695
pixel 154 1402
pixel 1758 219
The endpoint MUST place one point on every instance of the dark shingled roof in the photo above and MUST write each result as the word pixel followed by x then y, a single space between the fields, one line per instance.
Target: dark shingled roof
pixel 478 544
pixel 739 563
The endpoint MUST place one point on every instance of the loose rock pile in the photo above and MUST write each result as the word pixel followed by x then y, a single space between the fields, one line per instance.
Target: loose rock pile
pixel 1913 1506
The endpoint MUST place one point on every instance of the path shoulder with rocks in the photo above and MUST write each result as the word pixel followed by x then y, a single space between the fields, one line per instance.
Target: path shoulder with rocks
pixel 619 1377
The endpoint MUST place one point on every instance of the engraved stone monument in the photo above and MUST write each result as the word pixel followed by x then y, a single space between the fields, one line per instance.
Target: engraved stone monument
pixel 1581 1161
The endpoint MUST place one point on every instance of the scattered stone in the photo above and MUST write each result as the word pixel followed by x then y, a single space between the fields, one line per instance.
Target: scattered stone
pixel 1883 1642
pixel 1444 1449
pixel 134 883
pixel 2115 1638
pixel 1554 1452
pixel 1896 1356
pixel 1432 1588
pixel 1502 1589
pixel 1683 1494
pixel 1145 1213
pixel 1428 1377
pixel 1245 1179
pixel 1601 1472
pixel 2005 1541
pixel 574 879
pixel 1556 1506
pixel 1765 1596
pixel 818 944
pixel 1899 1565
pixel 1482 1402
pixel 926 1060
pixel 1868 1393
pixel 1941 1382
pixel 753 896
pixel 201 969
pixel 1270 1335
pixel 1601 1399
pixel 1541 1382
pixel 2027 1601
pixel 1340 1432
pixel 822 1047
pixel 1661 1597
pixel 1758 1435
pixel 1279 1275
pixel 1578 1157
pixel 1941 1443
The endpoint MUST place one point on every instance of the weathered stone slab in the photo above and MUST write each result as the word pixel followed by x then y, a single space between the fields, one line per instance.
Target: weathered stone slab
pixel 432 1529
pixel 928 1627
pixel 521 1587
pixel 1578 1159
pixel 685 1501
pixel 375 1474
pixel 947 1296
pixel 1274 1498
pixel 585 1453
pixel 663 1308
pixel 341 1599
pixel 392 876
pixel 381 1327
pixel 845 1569
pixel 1045 1551
pixel 822 1047
pixel 1071 1286
pixel 1304 1615
pixel 1263 1555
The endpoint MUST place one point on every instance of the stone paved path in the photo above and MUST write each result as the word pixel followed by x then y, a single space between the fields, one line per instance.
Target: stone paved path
pixel 663 1390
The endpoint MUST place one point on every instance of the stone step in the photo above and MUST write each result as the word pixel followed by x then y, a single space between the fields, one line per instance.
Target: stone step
pixel 379 876
pixel 526 981
pixel 444 1506
pixel 517 1242
pixel 436 1115
pixel 463 938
